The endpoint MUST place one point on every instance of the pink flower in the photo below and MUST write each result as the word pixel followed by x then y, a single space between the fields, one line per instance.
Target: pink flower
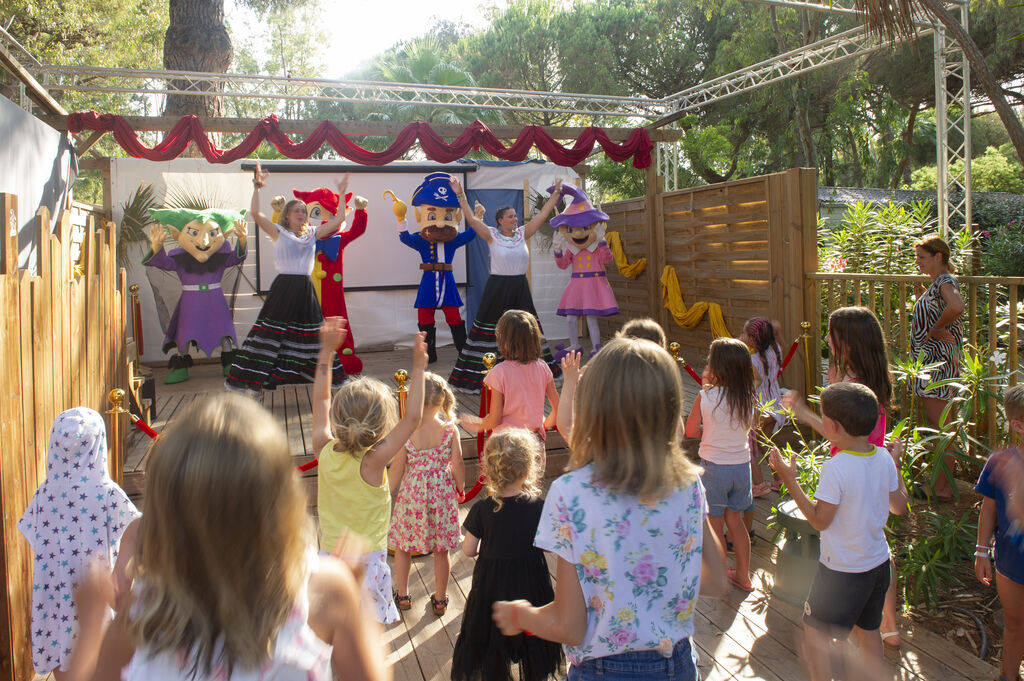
pixel 644 572
pixel 621 637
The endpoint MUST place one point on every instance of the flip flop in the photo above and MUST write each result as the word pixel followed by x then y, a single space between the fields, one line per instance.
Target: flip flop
pixel 731 573
pixel 887 637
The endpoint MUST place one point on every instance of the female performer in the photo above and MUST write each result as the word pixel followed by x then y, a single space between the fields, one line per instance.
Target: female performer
pixel 283 345
pixel 507 287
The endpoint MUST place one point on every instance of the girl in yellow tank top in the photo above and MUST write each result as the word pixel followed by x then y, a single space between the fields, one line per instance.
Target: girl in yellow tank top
pixel 358 433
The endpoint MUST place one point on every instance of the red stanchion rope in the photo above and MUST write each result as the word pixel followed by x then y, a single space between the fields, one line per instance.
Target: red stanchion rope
pixel 693 374
pixel 142 425
pixel 308 466
pixel 481 438
pixel 789 355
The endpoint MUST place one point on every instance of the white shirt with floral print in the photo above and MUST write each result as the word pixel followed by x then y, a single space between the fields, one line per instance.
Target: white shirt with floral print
pixel 638 564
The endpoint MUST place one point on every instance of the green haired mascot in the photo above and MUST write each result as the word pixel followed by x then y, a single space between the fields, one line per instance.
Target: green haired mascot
pixel 202 317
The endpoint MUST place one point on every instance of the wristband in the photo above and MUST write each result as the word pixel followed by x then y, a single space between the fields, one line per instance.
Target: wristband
pixel 461 195
pixel 983 546
pixel 515 620
pixel 981 554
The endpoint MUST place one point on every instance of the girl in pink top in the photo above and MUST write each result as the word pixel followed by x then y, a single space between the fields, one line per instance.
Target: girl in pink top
pixel 520 383
pixel 857 345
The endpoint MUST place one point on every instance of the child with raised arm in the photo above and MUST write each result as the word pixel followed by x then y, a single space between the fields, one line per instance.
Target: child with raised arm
pixel 1000 535
pixel 227 583
pixel 628 524
pixel 519 383
pixel 357 434
pixel 427 478
pixel 857 490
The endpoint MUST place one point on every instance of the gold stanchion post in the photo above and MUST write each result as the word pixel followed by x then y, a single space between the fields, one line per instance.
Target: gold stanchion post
pixel 133 292
pixel 116 462
pixel 809 374
pixel 673 347
pixel 402 376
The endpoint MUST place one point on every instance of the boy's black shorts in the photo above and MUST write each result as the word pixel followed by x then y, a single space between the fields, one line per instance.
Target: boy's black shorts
pixel 841 600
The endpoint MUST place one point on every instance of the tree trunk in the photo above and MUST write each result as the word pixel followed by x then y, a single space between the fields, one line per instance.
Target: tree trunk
pixel 801 113
pixel 980 70
pixel 908 145
pixel 196 40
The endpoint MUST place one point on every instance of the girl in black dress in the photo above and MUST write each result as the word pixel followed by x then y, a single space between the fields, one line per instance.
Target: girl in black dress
pixel 508 566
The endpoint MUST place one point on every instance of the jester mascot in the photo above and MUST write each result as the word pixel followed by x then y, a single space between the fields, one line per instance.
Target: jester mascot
pixel 438 215
pixel 201 317
pixel 579 243
pixel 328 272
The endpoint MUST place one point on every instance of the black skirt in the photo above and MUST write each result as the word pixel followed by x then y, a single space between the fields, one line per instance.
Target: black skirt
pixel 482 652
pixel 284 343
pixel 501 294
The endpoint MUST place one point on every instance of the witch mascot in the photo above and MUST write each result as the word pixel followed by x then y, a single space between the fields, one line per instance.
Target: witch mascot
pixel 201 318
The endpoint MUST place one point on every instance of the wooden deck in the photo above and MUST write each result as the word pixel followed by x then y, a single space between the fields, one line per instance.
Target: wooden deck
pixel 744 636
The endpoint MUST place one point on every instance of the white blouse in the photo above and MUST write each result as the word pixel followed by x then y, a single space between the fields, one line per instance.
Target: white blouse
pixel 509 255
pixel 294 254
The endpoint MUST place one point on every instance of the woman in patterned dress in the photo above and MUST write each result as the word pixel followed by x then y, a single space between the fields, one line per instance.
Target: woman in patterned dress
pixel 936 330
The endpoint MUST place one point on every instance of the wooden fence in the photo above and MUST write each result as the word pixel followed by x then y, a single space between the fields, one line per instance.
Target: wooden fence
pixel 744 245
pixel 62 344
pixel 990 321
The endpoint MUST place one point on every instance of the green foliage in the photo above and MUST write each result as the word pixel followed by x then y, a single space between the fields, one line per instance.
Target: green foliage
pixel 875 238
pixel 932 556
pixel 134 224
pixel 1002 254
pixel 615 181
pixel 993 171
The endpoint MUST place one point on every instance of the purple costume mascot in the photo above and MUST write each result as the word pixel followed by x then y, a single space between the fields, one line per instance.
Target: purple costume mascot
pixel 202 317
pixel 579 243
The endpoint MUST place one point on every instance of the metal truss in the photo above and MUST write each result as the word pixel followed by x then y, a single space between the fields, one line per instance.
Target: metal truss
pixel 667 157
pixel 953 119
pixel 855 42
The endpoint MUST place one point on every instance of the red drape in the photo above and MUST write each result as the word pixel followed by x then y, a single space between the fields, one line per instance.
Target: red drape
pixel 476 137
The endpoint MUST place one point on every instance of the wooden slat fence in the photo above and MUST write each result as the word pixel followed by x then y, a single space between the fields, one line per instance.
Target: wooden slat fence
pixel 744 245
pixel 62 344
pixel 990 321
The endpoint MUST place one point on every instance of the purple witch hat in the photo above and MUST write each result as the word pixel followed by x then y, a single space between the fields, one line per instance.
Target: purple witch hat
pixel 580 212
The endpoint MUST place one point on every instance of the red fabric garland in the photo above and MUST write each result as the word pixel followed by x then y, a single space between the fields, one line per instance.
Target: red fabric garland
pixel 474 138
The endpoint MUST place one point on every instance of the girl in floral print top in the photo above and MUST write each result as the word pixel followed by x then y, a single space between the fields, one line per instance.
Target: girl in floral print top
pixel 628 524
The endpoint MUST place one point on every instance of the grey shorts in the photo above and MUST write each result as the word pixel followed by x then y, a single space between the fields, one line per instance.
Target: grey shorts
pixel 727 487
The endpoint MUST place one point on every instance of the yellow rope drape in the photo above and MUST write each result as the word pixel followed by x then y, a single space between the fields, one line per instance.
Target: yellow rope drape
pixel 672 297
pixel 626 269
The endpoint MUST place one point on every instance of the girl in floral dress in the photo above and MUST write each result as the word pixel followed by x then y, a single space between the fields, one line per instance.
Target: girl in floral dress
pixel 628 524
pixel 428 476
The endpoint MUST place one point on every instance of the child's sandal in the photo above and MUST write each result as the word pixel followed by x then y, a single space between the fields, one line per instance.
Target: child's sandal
pixel 440 606
pixel 403 602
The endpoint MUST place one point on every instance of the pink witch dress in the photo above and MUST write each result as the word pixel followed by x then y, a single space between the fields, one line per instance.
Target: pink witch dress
pixel 426 515
pixel 588 292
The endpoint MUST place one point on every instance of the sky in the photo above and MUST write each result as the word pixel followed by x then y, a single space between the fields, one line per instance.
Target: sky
pixel 357 31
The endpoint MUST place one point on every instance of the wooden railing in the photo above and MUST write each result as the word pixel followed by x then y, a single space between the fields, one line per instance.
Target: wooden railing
pixel 992 304
pixel 62 345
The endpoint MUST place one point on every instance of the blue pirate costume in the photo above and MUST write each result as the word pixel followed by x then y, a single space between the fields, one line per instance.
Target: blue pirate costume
pixel 438 215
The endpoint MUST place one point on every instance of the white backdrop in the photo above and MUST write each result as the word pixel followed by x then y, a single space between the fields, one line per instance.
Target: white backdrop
pixel 382 318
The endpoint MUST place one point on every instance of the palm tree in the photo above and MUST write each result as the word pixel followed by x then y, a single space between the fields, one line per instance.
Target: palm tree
pixel 896 18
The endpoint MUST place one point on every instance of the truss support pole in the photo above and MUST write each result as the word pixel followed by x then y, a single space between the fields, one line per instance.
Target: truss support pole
pixel 667 154
pixel 952 128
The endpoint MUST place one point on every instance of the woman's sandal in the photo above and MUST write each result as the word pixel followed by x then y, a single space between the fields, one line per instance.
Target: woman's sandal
pixel 761 489
pixel 440 606
pixel 892 639
pixel 403 602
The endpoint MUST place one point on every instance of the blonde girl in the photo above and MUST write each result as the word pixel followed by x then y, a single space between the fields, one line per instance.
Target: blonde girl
pixel 499 532
pixel 628 524
pixel 428 477
pixel 226 582
pixel 722 415
pixel 357 434
pixel 520 383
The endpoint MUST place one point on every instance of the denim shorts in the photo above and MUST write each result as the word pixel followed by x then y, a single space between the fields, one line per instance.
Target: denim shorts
pixel 640 664
pixel 727 486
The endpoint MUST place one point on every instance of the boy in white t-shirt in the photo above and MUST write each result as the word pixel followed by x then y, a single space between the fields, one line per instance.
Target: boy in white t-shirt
pixel 857 490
